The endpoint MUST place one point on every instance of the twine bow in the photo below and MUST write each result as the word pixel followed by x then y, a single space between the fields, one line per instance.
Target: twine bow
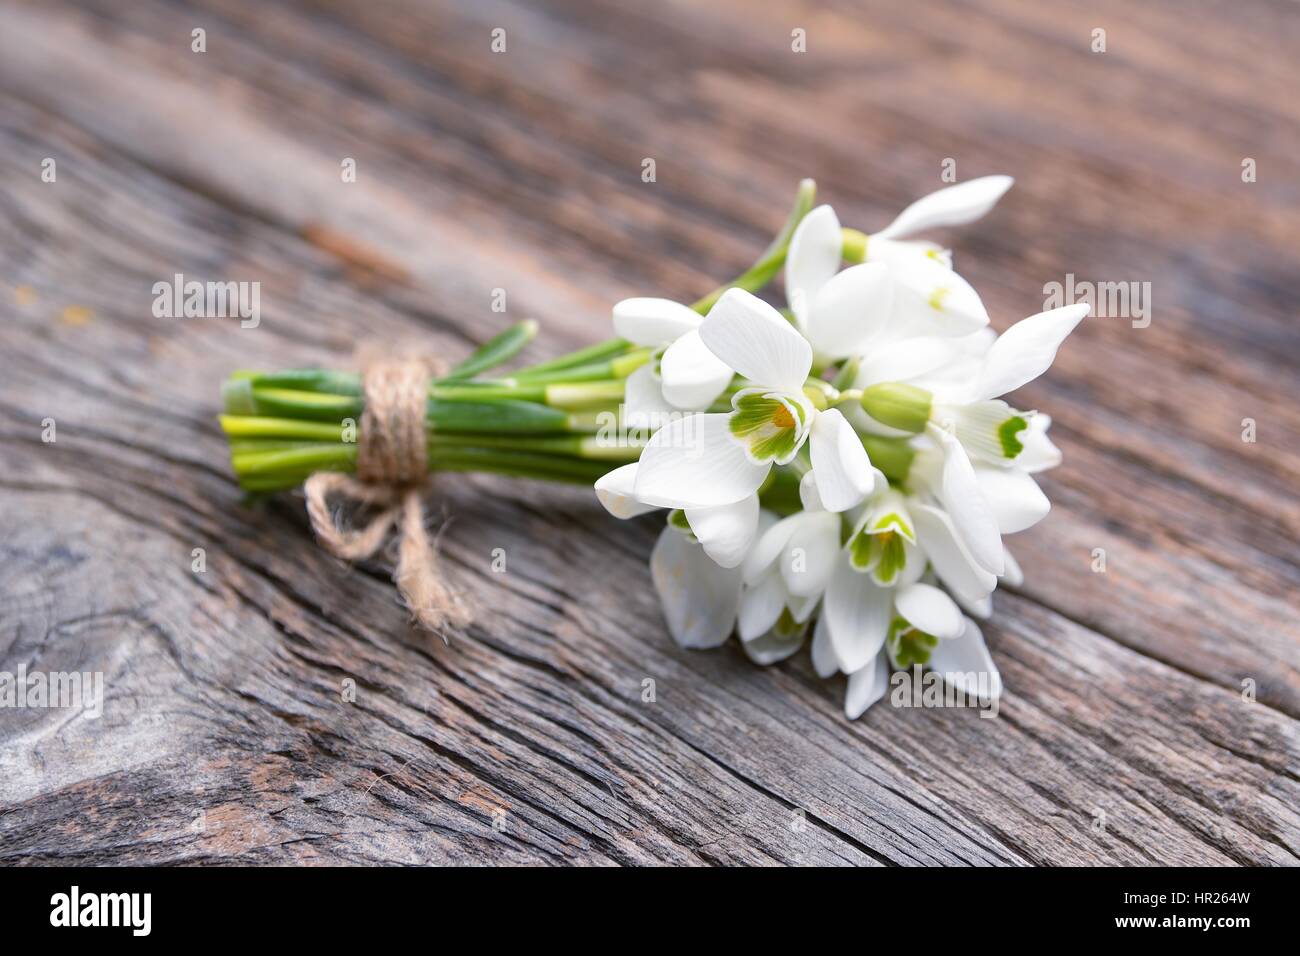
pixel 392 467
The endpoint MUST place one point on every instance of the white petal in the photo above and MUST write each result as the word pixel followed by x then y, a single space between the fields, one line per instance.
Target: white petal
pixel 769 547
pixel 850 310
pixel 905 359
pixel 965 663
pixel 857 612
pixel 801 608
pixel 809 496
pixel 773 647
pixel 726 531
pixel 931 299
pixel 896 252
pixel 1013 575
pixel 1039 453
pixel 692 375
pixel 644 407
pixel 927 608
pixel 952 562
pixel 913 565
pixel 843 470
pixel 977 344
pixel 816 249
pixel 653 322
pixel 953 383
pixel 982 609
pixel 614 491
pixel 698 597
pixel 953 206
pixel 866 686
pixel 693 462
pixel 1014 497
pixel 761 606
pixel 811 555
pixel 1026 350
pixel 825 663
pixel 751 337
pixel 970 513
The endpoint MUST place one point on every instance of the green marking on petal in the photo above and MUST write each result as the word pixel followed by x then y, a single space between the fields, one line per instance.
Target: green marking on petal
pixel 771 427
pixel 892 558
pixel 937 296
pixel 987 430
pixel 879 545
pixel 907 645
pixel 1008 435
pixel 862 551
pixel 882 554
pixel 893 521
pixel 786 625
pixel 677 521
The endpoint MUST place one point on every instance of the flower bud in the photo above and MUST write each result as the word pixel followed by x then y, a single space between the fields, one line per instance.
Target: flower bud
pixel 898 405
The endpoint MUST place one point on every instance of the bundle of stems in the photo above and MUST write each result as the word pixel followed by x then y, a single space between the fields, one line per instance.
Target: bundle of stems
pixel 548 420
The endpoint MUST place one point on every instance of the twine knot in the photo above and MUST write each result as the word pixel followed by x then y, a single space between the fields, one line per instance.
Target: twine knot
pixel 392 467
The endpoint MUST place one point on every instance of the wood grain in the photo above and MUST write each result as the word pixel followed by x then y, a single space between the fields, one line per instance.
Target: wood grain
pixel 1125 736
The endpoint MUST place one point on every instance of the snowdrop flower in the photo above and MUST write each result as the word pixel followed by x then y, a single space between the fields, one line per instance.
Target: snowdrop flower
pixel 699 597
pixel 901 289
pixel 883 543
pixel 715 459
pixel 986 427
pixel 788 569
pixel 683 375
pixel 915 293
pixel 775 614
pixel 859 612
pixel 962 661
pixel 863 626
pixel 980 434
pixel 723 531
pixel 838 312
pixel 866 629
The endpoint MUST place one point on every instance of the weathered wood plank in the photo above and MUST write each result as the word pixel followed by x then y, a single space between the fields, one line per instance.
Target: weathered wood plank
pixel 1124 739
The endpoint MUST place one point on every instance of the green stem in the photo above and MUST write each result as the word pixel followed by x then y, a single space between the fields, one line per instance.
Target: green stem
pixel 773 257
pixel 855 245
pixel 584 356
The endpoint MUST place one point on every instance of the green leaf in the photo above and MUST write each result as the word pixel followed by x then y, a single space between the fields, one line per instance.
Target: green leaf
pixel 496 417
pixel 496 352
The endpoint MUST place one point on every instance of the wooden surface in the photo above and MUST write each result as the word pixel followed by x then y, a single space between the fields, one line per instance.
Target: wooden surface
pixel 1125 736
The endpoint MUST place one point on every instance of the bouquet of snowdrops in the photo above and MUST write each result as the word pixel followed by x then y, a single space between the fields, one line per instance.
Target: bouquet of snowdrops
pixel 842 467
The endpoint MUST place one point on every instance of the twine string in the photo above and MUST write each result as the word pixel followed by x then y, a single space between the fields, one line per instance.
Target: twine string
pixel 392 467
